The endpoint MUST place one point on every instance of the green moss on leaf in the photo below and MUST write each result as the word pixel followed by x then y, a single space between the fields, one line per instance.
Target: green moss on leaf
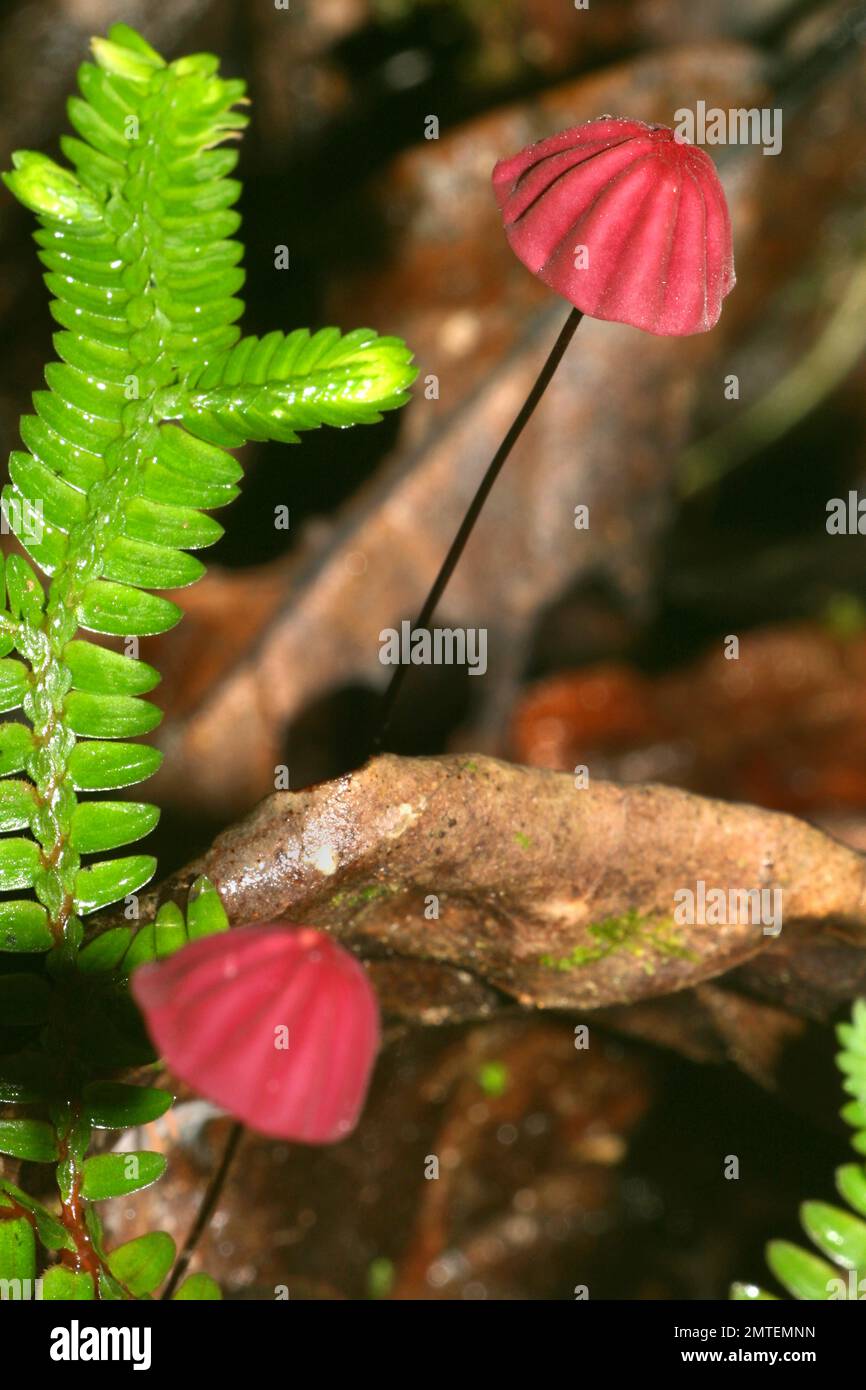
pixel 648 939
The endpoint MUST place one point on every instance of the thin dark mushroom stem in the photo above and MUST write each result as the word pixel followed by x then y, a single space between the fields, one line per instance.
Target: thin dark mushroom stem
pixel 458 545
pixel 206 1209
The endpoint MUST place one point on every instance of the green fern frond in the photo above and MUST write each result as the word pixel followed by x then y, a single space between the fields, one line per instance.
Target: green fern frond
pixel 269 388
pixel 125 454
pixel 838 1235
pixel 120 950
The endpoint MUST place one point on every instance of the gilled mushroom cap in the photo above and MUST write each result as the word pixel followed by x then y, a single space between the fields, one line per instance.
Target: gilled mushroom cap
pixel 625 221
pixel 277 1024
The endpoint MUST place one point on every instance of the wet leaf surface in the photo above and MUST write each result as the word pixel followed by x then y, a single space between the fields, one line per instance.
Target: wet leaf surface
pixel 552 894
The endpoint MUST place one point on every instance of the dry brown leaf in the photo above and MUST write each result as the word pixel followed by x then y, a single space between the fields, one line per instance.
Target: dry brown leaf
pixel 524 869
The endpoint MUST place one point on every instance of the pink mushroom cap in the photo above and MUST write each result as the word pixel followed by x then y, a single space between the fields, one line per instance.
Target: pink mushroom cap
pixel 278 1025
pixel 625 221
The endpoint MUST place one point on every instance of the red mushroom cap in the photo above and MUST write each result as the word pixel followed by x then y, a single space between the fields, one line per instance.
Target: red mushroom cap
pixel 277 1024
pixel 649 211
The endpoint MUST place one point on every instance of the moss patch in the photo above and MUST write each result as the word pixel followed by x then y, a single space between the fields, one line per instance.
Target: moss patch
pixel 362 897
pixel 493 1078
pixel 640 936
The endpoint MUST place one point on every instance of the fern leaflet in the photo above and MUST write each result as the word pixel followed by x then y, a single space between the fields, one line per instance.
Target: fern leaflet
pixel 126 452
pixel 839 1235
